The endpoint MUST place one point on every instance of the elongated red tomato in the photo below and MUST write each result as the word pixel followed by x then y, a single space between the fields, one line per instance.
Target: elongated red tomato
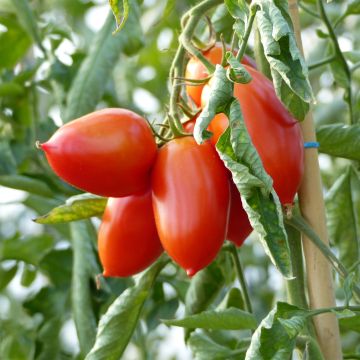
pixel 239 227
pixel 273 131
pixel 128 241
pixel 108 152
pixel 196 70
pixel 191 202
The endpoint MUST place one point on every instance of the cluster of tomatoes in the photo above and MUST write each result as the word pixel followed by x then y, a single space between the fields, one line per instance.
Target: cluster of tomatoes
pixel 179 197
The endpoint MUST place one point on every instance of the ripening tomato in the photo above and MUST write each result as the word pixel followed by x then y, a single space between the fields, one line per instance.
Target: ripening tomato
pixel 108 152
pixel 128 241
pixel 196 70
pixel 239 225
pixel 191 202
pixel 274 133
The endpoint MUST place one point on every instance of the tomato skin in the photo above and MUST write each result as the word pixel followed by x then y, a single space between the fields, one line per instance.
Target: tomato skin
pixel 191 202
pixel 127 240
pixel 239 225
pixel 196 70
pixel 274 133
pixel 108 152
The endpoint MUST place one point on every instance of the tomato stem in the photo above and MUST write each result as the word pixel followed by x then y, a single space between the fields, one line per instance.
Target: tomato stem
pixel 241 52
pixel 299 223
pixel 240 274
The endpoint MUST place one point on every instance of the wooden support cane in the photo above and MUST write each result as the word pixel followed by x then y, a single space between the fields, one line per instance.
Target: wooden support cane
pixel 319 274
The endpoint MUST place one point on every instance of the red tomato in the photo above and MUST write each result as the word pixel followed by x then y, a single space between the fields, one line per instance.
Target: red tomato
pixel 128 241
pixel 274 133
pixel 196 70
pixel 108 152
pixel 191 202
pixel 239 226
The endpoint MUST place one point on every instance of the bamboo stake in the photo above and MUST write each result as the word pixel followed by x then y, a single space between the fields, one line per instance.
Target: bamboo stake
pixel 319 274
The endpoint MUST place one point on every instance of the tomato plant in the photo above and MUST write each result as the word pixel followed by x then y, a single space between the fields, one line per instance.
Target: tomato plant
pixel 127 240
pixel 108 152
pixel 191 202
pixel 274 132
pixel 197 71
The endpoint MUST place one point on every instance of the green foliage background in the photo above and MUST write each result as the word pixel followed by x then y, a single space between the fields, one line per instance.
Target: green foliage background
pixel 57 63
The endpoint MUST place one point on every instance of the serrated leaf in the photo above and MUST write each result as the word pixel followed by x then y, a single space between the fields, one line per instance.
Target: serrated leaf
pixel 340 140
pixel 288 68
pixel 275 337
pixel 118 324
pixel 239 10
pixel 6 275
pixel 28 249
pixel 342 219
pixel 239 155
pixel 89 84
pixel 76 208
pixel 227 319
pixel 205 348
pixel 236 72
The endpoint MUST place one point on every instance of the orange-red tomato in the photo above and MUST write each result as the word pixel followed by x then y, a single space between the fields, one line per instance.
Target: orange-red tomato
pixel 128 241
pixel 196 70
pixel 274 133
pixel 108 152
pixel 239 226
pixel 191 202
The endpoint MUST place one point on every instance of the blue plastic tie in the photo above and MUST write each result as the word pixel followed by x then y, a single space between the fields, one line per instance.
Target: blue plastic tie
pixel 311 144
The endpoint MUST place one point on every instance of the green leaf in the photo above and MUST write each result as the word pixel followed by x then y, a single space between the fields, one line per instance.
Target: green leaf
pixel 84 268
pixel 205 348
pixel 89 84
pixel 255 186
pixel 11 89
pixel 76 208
pixel 14 42
pixel 342 217
pixel 6 275
pixel 204 288
pixel 239 10
pixel 121 15
pixel 340 72
pixel 353 7
pixel 233 299
pixel 118 324
pixel 7 161
pixel 288 68
pixel 236 72
pixel 353 56
pixel 350 323
pixel 340 140
pixel 29 249
pixel 27 20
pixel 227 319
pixel 275 337
pixel 26 183
pixel 28 276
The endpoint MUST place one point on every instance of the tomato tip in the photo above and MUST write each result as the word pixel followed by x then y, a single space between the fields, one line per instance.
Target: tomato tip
pixel 191 272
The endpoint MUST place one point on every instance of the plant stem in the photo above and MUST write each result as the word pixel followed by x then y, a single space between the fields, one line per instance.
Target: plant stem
pixel 307 10
pixel 240 275
pixel 321 62
pixel 189 22
pixel 299 223
pixel 296 287
pixel 242 49
pixel 339 54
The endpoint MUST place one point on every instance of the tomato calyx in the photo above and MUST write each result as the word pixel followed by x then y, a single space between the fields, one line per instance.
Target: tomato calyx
pixel 288 210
